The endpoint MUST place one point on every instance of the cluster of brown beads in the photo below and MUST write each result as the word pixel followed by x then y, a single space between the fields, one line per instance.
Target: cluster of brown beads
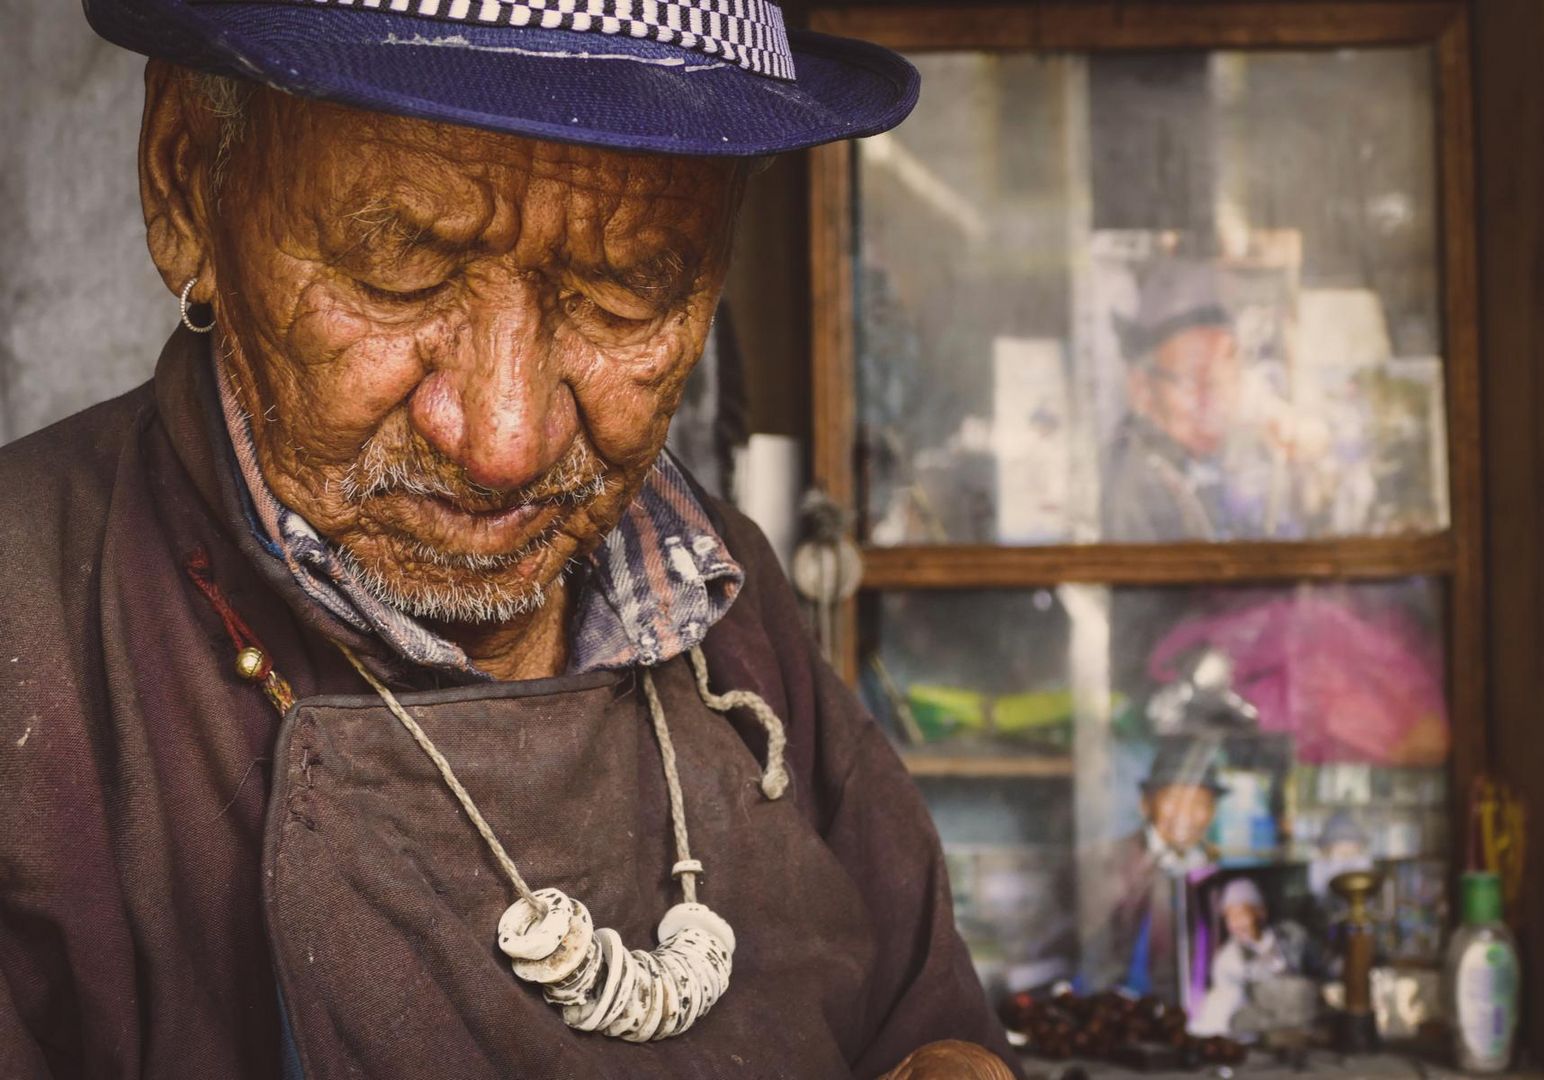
pixel 1115 1027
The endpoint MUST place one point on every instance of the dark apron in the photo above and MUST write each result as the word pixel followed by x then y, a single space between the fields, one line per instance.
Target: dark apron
pixel 382 900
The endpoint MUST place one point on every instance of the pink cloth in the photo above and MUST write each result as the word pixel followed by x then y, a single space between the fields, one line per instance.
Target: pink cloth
pixel 1347 685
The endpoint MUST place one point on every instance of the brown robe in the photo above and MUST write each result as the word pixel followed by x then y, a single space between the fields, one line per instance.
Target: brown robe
pixel 169 851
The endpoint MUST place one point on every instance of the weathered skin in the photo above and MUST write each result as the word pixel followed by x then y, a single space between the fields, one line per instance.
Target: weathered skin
pixel 505 318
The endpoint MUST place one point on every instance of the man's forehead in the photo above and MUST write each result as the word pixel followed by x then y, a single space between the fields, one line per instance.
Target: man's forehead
pixel 369 181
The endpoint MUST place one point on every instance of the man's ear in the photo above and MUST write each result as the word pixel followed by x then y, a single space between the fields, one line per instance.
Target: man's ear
pixel 173 180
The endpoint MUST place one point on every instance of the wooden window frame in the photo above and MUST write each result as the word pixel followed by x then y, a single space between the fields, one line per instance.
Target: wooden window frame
pixel 1454 556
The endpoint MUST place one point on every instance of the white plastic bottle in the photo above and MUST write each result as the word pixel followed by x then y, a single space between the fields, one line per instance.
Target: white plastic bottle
pixel 1482 980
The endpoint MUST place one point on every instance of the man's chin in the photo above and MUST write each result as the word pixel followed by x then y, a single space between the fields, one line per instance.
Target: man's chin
pixel 450 587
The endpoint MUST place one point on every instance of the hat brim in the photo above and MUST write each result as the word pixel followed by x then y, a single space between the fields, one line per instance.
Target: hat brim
pixel 586 88
pixel 1155 784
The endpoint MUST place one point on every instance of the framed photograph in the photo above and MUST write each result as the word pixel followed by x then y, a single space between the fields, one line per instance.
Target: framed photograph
pixel 1252 957
pixel 1185 359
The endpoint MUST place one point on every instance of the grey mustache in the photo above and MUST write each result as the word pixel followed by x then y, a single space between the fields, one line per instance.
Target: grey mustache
pixel 378 471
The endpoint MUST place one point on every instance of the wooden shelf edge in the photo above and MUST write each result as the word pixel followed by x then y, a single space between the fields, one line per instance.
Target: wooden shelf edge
pixel 1150 25
pixel 978 766
pixel 948 567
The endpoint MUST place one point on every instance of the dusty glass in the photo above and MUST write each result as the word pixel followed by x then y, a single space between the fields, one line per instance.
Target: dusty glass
pixel 1152 297
pixel 1108 766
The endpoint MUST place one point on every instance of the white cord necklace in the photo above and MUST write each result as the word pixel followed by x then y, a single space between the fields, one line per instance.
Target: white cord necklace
pixel 599 983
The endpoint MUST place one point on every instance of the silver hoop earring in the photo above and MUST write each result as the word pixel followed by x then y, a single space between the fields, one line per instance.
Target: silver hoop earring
pixel 187 291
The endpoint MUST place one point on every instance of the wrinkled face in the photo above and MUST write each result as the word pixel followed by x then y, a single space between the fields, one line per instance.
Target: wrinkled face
pixel 1181 814
pixel 460 350
pixel 1189 388
pixel 1245 921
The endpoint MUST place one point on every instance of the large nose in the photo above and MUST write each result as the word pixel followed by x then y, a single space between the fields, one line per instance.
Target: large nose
pixel 496 402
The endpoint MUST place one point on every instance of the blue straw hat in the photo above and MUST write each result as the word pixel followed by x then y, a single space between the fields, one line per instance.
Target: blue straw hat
pixel 695 77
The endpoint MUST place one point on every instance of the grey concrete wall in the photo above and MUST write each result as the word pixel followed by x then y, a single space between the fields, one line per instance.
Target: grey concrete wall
pixel 82 312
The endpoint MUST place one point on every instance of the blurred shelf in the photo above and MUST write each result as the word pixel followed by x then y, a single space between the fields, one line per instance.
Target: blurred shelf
pixel 988 566
pixel 1005 766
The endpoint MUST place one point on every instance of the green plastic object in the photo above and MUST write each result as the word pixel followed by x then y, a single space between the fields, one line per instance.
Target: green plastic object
pixel 1019 714
pixel 942 712
pixel 947 712
pixel 1480 899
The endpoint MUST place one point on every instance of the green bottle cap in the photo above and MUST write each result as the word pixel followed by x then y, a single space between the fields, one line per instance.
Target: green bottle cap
pixel 1481 898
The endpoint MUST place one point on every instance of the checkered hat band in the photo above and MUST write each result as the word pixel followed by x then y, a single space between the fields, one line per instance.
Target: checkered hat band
pixel 748 33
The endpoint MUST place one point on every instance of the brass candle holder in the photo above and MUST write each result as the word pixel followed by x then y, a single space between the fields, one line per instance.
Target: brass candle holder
pixel 1356 1028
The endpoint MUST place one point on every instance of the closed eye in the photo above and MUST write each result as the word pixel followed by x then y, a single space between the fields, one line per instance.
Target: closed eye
pixel 585 309
pixel 394 296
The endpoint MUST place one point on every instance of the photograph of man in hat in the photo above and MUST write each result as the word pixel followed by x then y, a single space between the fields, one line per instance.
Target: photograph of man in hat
pixel 385 703
pixel 1140 876
pixel 1164 476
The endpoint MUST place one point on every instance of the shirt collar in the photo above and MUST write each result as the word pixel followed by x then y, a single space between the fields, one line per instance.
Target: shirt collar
pixel 654 587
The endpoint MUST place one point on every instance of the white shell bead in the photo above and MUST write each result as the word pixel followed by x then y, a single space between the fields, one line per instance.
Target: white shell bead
pixel 638 1001
pixel 626 990
pixel 570 953
pixel 658 987
pixel 698 916
pixel 689 992
pixel 588 1014
pixel 719 966
pixel 526 934
pixel 670 1002
pixel 576 987
pixel 707 959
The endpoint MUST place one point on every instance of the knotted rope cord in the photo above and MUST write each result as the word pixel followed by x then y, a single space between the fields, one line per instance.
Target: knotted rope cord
pixel 448 775
pixel 686 868
pixel 774 780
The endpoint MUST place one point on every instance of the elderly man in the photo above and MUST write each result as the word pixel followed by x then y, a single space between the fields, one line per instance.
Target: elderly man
pixel 1164 478
pixel 382 702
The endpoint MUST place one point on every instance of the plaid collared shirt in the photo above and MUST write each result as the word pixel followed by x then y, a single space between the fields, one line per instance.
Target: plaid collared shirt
pixel 655 586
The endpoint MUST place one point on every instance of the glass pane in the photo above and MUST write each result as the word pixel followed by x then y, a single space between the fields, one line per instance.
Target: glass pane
pixel 1150 297
pixel 1112 770
pixel 975 687
pixel 972 672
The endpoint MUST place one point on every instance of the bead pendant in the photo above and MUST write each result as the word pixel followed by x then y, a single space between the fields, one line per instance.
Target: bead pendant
pixel 601 985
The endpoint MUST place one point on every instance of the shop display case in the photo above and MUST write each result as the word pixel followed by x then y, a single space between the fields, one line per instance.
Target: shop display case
pixel 1145 363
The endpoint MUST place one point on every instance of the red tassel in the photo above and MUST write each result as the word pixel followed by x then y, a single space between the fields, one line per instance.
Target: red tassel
pixel 252 659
